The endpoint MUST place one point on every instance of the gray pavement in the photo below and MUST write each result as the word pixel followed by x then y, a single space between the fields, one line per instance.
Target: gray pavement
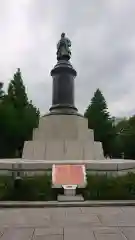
pixel 81 223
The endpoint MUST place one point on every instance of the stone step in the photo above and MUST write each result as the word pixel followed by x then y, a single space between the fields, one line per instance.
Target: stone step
pixel 64 198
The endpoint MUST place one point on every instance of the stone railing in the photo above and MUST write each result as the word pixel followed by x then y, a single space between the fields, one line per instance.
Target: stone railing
pixel 113 166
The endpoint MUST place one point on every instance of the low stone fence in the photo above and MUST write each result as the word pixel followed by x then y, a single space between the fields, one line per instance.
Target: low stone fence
pixel 38 167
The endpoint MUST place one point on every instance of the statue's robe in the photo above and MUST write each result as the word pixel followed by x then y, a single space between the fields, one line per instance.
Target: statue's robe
pixel 63 48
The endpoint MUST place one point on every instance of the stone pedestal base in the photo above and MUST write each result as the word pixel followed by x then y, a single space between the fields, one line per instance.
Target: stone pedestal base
pixel 63 137
pixel 70 191
pixel 76 198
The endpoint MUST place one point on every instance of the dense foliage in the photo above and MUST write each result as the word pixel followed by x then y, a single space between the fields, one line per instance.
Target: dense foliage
pixel 99 120
pixel 39 188
pixel 103 187
pixel 118 139
pixel 18 117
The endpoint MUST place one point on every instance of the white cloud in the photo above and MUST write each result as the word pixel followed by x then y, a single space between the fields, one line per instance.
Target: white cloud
pixel 103 48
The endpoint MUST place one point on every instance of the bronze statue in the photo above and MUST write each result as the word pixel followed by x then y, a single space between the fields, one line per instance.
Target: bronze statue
pixel 63 48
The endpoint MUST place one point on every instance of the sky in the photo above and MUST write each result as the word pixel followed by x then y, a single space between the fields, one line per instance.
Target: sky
pixel 102 33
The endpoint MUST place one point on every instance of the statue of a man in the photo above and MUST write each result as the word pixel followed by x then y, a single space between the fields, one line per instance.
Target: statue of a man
pixel 63 48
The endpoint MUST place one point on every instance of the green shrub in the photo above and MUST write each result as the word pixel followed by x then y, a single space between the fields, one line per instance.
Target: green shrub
pixel 36 188
pixel 39 188
pixel 5 186
pixel 103 187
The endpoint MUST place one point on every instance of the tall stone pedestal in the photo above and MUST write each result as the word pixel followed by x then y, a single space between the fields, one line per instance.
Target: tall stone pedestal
pixel 63 134
pixel 63 75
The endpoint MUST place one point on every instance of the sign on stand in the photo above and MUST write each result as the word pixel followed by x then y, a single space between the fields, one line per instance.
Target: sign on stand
pixel 69 176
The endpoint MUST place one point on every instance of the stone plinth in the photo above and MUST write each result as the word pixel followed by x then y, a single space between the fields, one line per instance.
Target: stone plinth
pixel 62 127
pixel 76 198
pixel 63 137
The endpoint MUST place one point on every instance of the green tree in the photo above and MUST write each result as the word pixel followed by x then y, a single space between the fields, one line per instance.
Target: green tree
pixel 124 142
pixel 118 143
pixel 16 91
pixel 127 135
pixel 100 121
pixel 18 117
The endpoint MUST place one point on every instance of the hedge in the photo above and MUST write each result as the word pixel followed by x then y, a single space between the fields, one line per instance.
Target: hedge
pixel 39 188
pixel 102 187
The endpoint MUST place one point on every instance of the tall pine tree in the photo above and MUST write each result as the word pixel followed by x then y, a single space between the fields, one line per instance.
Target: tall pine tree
pixel 100 121
pixel 16 91
pixel 18 118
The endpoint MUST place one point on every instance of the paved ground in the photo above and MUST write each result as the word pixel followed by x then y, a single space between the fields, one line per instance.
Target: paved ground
pixel 99 223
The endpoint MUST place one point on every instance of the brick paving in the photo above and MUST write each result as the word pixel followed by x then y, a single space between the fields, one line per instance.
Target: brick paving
pixel 87 223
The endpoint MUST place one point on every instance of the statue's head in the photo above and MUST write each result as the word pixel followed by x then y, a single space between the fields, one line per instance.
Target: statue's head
pixel 62 35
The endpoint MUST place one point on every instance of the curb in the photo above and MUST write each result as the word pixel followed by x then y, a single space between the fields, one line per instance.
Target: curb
pixel 56 204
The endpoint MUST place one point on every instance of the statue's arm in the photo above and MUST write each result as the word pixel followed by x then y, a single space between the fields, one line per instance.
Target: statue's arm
pixel 58 45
